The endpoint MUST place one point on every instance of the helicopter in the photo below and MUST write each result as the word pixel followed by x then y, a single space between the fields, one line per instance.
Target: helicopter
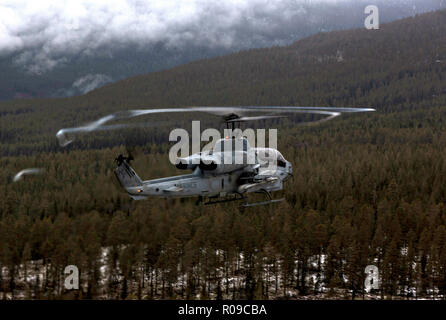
pixel 214 180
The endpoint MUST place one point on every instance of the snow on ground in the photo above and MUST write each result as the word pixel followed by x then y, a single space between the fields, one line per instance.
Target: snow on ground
pixel 38 273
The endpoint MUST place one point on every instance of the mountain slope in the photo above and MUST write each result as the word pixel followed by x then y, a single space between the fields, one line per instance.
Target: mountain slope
pixel 344 67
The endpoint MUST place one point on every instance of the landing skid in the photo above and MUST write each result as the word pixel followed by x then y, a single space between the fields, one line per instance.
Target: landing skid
pixel 246 203
pixel 262 203
pixel 226 200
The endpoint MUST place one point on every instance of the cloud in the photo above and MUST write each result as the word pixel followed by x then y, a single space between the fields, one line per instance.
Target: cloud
pixel 42 34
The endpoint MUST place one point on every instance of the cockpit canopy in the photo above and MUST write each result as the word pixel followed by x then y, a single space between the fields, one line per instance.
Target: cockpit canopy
pixel 231 144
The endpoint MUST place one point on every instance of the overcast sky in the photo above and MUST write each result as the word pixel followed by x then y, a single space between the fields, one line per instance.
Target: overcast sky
pixel 45 31
pixel 57 23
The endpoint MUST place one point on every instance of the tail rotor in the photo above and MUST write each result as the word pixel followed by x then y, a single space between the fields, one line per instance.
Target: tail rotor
pixel 131 152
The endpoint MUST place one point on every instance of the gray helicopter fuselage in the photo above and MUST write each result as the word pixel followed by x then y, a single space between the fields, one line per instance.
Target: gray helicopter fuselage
pixel 225 180
pixel 232 167
pixel 189 185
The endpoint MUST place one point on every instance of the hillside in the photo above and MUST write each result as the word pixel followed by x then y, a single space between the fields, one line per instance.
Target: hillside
pixel 367 188
pixel 354 67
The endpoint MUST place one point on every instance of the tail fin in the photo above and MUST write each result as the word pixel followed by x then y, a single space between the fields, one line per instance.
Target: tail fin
pixel 127 177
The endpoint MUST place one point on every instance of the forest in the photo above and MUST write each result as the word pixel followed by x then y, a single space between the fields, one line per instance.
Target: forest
pixel 368 189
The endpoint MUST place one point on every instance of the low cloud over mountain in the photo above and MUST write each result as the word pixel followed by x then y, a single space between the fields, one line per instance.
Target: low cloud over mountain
pixel 37 38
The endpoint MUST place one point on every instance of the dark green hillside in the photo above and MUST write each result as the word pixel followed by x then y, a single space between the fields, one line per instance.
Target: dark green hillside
pixel 367 189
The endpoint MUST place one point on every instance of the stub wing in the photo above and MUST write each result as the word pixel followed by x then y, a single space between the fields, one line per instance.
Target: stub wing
pixel 263 182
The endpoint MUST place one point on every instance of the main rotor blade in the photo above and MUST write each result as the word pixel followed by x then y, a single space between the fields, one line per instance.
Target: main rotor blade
pixel 238 110
pixel 235 109
pixel 28 171
pixel 244 119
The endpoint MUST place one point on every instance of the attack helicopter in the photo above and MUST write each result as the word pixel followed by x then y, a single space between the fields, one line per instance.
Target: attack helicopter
pixel 215 180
